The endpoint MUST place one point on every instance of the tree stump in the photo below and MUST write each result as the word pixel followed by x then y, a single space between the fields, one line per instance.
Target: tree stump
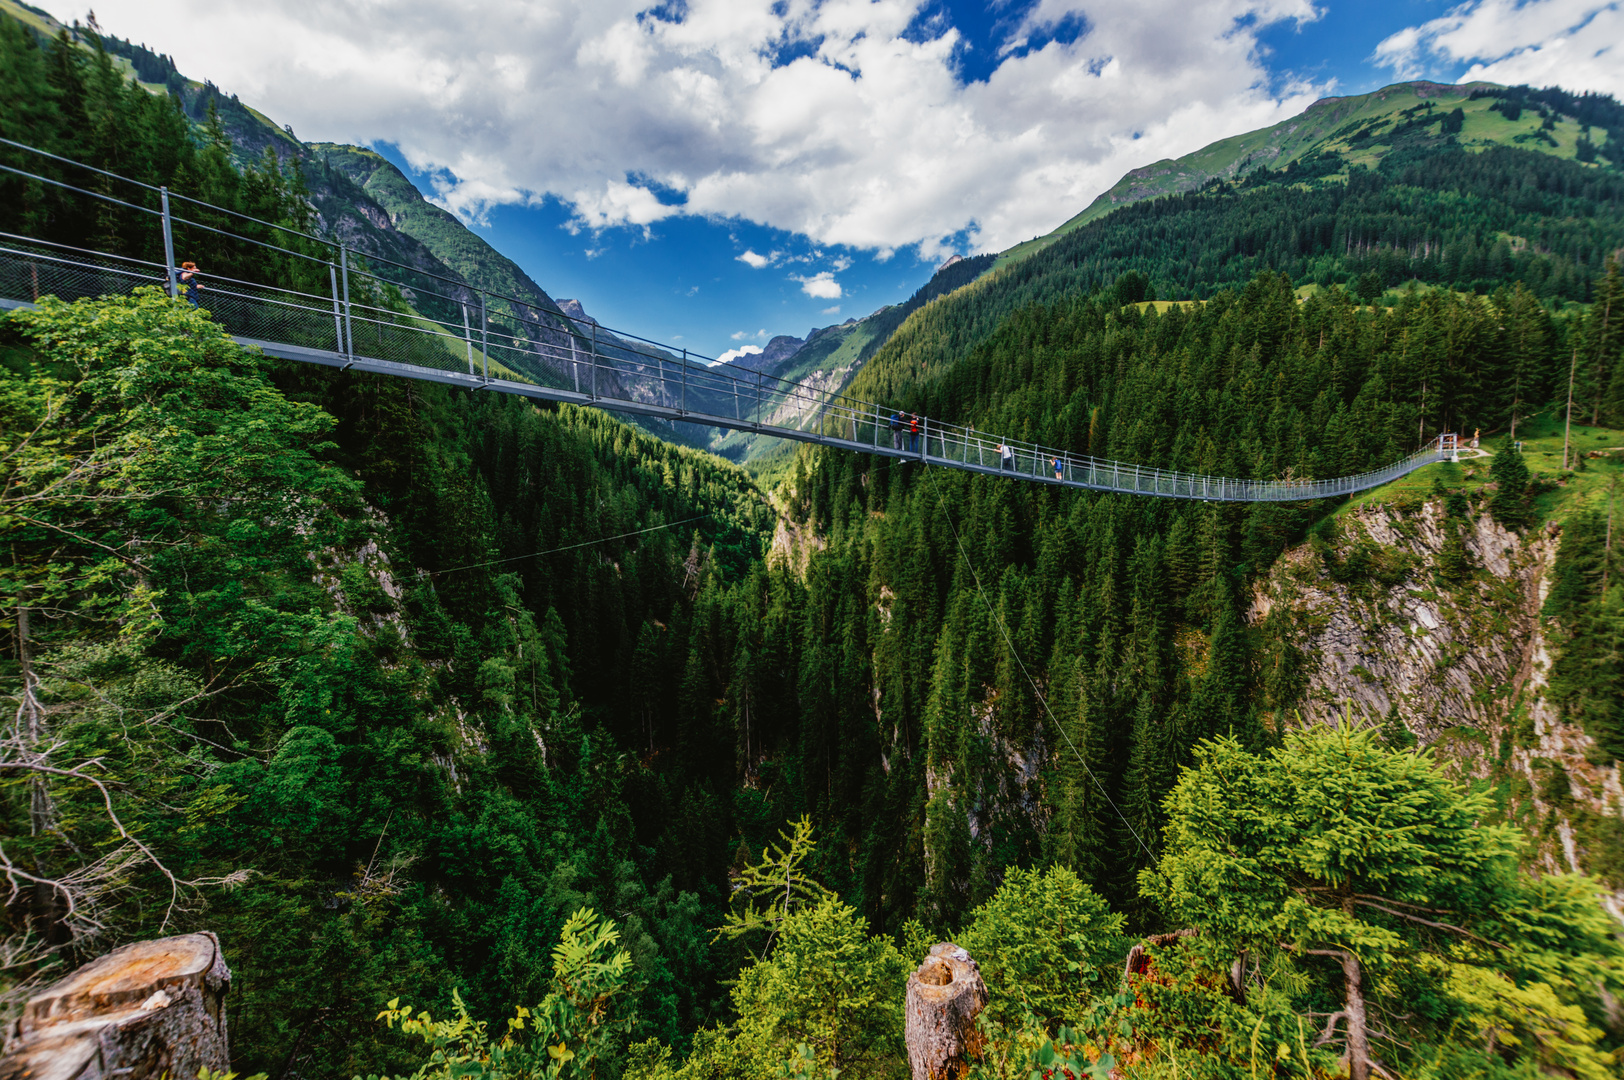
pixel 944 996
pixel 142 1011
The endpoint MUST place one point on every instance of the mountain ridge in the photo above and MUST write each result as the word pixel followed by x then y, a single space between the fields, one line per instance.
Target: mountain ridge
pixel 1317 129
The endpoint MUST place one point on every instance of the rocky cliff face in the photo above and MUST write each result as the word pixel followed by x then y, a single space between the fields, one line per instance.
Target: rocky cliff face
pixel 1430 625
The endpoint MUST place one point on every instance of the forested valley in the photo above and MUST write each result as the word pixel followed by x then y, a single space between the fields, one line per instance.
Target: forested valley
pixel 418 696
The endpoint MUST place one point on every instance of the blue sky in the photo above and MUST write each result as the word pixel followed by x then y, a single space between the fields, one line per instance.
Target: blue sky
pixel 715 172
pixel 681 281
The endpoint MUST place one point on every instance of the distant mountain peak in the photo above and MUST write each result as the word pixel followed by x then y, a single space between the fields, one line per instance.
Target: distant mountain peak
pixel 782 347
pixel 574 310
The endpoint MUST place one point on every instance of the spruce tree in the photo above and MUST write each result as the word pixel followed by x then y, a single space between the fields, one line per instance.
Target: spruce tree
pixel 1509 472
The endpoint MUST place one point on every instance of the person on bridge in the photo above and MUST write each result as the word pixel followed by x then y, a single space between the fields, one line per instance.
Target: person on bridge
pixel 896 431
pixel 913 432
pixel 1006 457
pixel 189 281
pixel 1059 469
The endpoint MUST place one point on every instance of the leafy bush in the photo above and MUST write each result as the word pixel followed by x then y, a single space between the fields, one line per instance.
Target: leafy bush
pixel 568 1036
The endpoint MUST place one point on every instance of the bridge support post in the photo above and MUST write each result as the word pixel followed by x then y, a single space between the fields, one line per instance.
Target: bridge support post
pixel 760 409
pixel 594 360
pixel 349 327
pixel 924 440
pixel 338 316
pixel 468 338
pixel 169 244
pixel 682 408
pixel 485 337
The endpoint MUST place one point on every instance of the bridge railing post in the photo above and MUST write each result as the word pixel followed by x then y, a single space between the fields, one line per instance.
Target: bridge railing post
pixel 682 406
pixel 338 316
pixel 594 360
pixel 169 244
pixel 344 278
pixel 484 336
pixel 468 338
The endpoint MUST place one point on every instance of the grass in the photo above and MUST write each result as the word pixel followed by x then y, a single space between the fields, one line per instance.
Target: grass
pixel 46 26
pixel 1541 436
pixel 1578 491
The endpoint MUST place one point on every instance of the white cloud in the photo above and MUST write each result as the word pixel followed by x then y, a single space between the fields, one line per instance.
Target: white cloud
pixel 868 139
pixel 734 354
pixel 754 261
pixel 832 310
pixel 822 286
pixel 1576 44
pixel 741 335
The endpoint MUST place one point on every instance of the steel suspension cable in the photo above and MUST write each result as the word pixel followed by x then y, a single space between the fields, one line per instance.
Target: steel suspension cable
pixel 571 547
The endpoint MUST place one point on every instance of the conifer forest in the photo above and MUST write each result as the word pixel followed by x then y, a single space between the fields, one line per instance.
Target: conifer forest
pixel 501 739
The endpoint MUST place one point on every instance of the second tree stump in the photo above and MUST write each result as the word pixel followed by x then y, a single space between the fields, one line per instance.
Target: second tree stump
pixel 944 996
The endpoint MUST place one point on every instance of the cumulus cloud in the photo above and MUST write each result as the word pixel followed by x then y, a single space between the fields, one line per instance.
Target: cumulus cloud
pixel 741 335
pixel 1577 44
pixel 832 310
pixel 868 137
pixel 823 286
pixel 734 354
pixel 754 261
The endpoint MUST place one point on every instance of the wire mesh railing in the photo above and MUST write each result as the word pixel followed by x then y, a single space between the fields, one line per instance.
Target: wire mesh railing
pixel 332 305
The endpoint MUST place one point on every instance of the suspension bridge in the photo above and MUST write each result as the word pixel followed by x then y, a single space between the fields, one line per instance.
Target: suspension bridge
pixel 336 307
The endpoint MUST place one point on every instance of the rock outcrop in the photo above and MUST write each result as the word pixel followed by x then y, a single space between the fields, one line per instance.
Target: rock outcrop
pixel 1397 638
pixel 1457 657
pixel 146 1011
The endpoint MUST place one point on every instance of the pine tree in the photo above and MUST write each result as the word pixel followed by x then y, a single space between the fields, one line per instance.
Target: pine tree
pixel 1509 472
pixel 1604 326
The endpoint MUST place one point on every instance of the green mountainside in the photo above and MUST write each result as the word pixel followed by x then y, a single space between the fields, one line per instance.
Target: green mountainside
pixel 430 703
pixel 1334 135
pixel 473 260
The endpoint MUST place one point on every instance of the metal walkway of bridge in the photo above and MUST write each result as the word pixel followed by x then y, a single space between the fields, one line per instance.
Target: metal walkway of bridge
pixel 367 313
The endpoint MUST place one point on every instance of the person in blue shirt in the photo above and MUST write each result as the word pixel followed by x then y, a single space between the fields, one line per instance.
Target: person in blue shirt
pixel 188 280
